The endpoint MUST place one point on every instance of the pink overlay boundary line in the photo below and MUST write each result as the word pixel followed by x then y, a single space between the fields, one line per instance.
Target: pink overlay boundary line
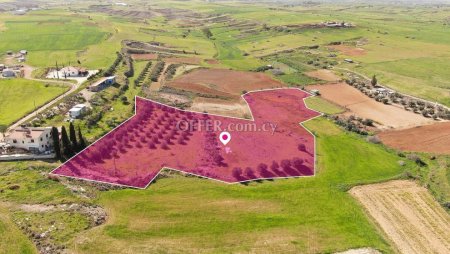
pixel 201 176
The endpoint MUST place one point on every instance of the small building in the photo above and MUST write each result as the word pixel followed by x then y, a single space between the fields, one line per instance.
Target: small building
pixel 2 67
pixel 23 52
pixel 33 139
pixel 348 60
pixel 71 71
pixel 102 83
pixel 21 59
pixel 315 92
pixel 8 73
pixel 77 111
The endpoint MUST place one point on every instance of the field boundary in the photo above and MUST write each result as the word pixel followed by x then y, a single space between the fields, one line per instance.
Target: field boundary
pixel 189 173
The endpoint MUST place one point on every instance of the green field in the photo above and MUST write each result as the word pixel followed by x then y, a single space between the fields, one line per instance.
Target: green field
pixel 312 214
pixel 323 106
pixel 408 53
pixel 12 240
pixel 19 97
pixel 49 37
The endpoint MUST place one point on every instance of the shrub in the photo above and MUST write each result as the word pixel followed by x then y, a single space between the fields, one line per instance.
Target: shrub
pixel 416 159
pixel 367 122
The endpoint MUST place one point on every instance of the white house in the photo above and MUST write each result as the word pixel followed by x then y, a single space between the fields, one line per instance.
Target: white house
pixel 33 139
pixel 71 71
pixel 77 111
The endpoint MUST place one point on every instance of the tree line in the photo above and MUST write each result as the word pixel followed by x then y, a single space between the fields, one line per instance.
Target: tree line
pixel 69 144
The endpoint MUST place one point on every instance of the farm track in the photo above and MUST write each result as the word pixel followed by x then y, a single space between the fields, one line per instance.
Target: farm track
pixel 408 215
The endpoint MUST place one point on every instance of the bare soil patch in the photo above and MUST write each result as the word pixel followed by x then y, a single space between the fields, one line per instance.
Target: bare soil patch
pixel 357 103
pixel 322 74
pixel 222 82
pixel 212 61
pixel 348 50
pixel 408 214
pixel 183 60
pixel 144 56
pixel 221 107
pixel 434 138
pixel 175 98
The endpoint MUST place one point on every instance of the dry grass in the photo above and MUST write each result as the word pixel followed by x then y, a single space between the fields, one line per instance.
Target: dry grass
pixel 408 214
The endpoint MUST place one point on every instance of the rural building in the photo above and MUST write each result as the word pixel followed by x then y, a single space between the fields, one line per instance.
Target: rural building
pixel 33 139
pixel 21 59
pixel 348 60
pixel 71 71
pixel 8 73
pixel 102 83
pixel 2 67
pixel 77 111
pixel 23 52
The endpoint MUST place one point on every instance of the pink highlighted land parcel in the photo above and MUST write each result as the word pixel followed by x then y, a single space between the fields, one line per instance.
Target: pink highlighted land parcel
pixel 271 145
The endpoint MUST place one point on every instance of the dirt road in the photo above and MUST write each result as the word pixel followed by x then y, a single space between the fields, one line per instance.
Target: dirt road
pixel 408 214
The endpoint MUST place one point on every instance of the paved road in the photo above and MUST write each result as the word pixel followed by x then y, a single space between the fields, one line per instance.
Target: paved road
pixel 27 75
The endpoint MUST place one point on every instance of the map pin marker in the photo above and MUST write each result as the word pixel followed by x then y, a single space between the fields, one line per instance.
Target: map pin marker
pixel 225 137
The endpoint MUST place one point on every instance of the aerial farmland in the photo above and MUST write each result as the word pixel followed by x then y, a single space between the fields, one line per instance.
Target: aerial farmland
pixel 224 126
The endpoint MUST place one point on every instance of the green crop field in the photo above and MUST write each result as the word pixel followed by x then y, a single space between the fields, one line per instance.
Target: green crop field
pixel 307 215
pixel 18 97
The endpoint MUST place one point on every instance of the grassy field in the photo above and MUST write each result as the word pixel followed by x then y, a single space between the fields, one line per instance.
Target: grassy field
pixel 13 240
pixel 18 97
pixel 305 215
pixel 323 106
pixel 49 36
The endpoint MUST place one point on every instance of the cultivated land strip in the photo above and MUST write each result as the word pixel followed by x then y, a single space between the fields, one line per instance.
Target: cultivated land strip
pixel 408 214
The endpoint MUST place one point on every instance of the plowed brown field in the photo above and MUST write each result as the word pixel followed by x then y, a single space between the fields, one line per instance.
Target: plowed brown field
pixel 433 138
pixel 223 82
